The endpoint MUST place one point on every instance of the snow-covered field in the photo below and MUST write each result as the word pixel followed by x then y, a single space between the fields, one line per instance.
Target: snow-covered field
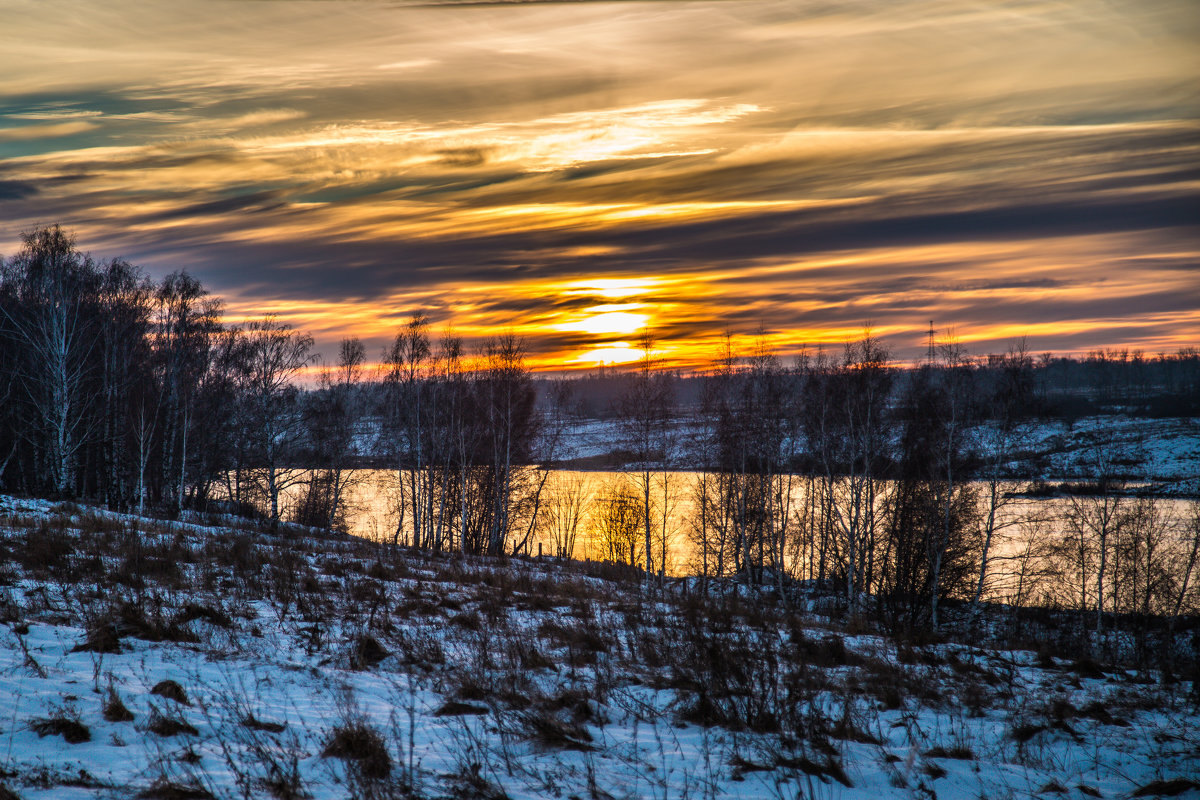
pixel 1162 451
pixel 332 667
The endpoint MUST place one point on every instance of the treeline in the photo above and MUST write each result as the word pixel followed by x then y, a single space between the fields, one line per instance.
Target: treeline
pixel 135 393
pixel 127 391
pixel 1119 380
pixel 1101 382
pixel 900 490
pixel 841 469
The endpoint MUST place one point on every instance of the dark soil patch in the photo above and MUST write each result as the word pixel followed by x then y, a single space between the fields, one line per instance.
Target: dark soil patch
pixel 170 726
pixel 1171 788
pixel 166 790
pixel 255 724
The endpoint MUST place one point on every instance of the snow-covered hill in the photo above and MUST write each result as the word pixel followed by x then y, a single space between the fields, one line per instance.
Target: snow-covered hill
pixel 198 659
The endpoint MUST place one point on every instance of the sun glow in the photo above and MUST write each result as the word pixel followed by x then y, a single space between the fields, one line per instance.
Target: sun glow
pixel 612 287
pixel 612 353
pixel 608 319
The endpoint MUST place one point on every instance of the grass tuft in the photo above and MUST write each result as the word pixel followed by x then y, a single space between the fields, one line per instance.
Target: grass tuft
pixel 171 690
pixel 115 709
pixel 361 744
pixel 68 727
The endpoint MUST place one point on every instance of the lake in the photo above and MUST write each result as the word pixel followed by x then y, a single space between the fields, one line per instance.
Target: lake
pixel 577 509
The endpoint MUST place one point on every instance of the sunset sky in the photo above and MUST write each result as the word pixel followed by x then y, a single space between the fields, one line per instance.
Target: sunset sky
pixel 585 172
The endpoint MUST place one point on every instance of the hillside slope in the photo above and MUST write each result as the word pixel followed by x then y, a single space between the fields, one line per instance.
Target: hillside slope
pixel 199 659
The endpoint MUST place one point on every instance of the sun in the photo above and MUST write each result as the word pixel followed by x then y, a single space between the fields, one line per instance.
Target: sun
pixel 608 320
pixel 610 353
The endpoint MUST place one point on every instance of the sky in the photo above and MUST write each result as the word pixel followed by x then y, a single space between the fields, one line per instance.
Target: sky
pixel 587 173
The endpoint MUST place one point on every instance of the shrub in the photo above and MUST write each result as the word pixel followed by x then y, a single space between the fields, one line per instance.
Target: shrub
pixel 366 652
pixel 193 611
pixel 550 729
pixel 62 724
pixel 171 691
pixel 114 709
pixel 359 743
pixel 1023 732
pixel 47 548
pixel 165 726
pixel 468 621
pixel 102 637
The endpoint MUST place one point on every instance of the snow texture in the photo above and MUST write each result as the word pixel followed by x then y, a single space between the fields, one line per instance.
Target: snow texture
pixel 493 679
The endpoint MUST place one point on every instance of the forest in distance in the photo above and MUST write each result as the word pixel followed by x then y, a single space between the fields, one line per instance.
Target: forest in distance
pixel 137 395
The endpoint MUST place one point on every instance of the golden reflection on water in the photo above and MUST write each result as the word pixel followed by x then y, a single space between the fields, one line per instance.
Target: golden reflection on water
pixel 373 497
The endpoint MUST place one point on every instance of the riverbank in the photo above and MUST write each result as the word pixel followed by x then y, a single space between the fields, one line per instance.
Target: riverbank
pixel 1164 453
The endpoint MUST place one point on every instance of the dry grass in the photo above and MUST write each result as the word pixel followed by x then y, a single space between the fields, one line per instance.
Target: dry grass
pixel 114 709
pixel 362 745
pixel 539 650
pixel 67 726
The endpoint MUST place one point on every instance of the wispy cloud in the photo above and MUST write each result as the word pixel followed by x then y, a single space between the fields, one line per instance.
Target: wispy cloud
pixel 54 130
pixel 801 167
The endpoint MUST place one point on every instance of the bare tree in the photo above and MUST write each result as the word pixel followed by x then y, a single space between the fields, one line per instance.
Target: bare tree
pixel 956 375
pixel 553 418
pixel 187 319
pixel 1008 401
pixel 566 510
pixel 847 423
pixel 274 357
pixel 51 281
pixel 646 411
pixel 123 305
pixel 619 521
pixel 507 405
pixel 408 363
pixel 931 510
pixel 1094 517
pixel 1183 577
pixel 331 414
pixel 753 416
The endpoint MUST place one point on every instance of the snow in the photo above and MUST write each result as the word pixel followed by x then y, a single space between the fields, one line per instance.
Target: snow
pixel 1163 451
pixel 517 630
pixel 1166 451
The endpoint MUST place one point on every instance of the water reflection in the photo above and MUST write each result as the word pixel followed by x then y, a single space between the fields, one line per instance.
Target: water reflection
pixel 574 519
pixel 600 516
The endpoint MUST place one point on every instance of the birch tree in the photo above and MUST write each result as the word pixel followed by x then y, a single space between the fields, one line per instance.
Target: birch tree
pixel 273 359
pixel 50 283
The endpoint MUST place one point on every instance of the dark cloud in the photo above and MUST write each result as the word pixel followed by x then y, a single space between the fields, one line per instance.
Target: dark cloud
pixel 544 303
pixel 256 202
pixel 17 190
